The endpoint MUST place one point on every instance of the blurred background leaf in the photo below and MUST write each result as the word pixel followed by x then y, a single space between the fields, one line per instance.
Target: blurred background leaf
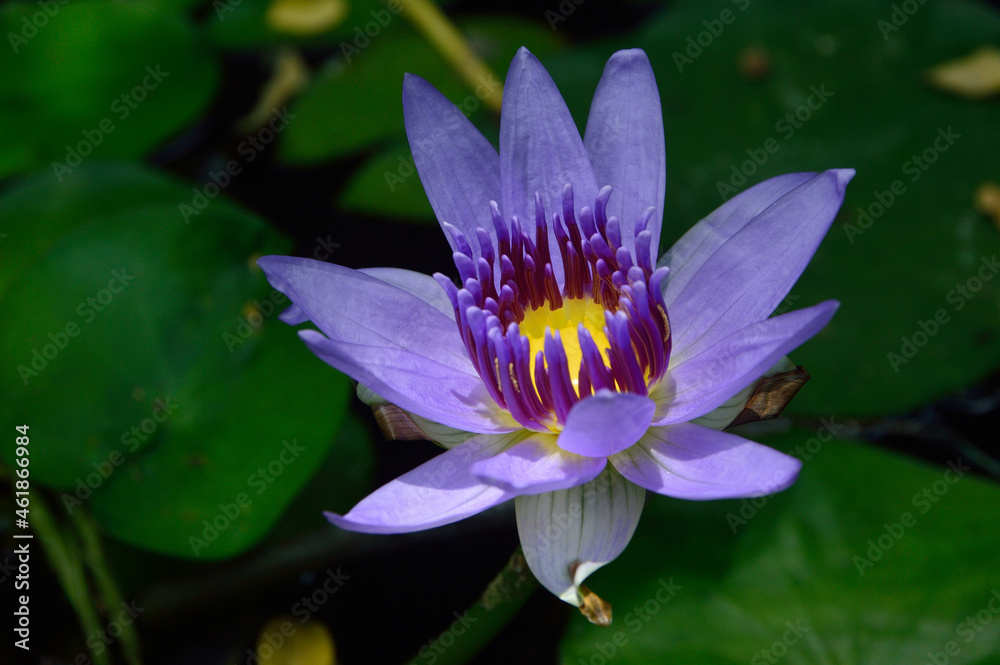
pixel 779 577
pixel 365 94
pixel 190 395
pixel 870 111
pixel 97 80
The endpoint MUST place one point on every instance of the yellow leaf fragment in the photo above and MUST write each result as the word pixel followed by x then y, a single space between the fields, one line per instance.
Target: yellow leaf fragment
pixel 305 18
pixel 975 76
pixel 987 201
pixel 285 641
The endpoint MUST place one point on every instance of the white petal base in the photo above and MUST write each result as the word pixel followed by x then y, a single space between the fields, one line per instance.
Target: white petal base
pixel 568 534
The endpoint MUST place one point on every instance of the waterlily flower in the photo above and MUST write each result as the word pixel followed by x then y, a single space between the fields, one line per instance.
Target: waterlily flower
pixel 567 369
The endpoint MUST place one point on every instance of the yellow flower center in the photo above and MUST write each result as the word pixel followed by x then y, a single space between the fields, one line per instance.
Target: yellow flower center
pixel 565 321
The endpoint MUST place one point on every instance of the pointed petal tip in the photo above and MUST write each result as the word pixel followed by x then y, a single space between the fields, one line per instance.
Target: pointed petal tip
pixel 264 262
pixel 337 520
pixel 843 177
pixel 697 463
pixel 629 56
pixel 412 82
pixel 293 316
pixel 828 308
pixel 416 90
pixel 347 524
pixel 276 267
pixel 794 468
pixel 523 59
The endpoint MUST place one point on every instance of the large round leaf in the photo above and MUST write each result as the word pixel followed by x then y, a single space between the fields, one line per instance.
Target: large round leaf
pixel 146 355
pixel 823 572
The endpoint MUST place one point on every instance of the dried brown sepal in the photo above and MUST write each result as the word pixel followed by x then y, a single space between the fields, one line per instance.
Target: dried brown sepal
pixel 396 424
pixel 596 609
pixel 771 395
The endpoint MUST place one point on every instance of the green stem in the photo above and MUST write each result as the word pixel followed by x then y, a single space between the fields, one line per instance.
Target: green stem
pixel 498 604
pixel 63 555
pixel 93 555
pixel 978 456
pixel 453 47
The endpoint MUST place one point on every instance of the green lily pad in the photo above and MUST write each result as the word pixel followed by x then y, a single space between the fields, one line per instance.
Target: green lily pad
pixel 387 184
pixel 819 573
pixel 754 90
pixel 69 96
pixel 341 480
pixel 238 470
pixel 147 357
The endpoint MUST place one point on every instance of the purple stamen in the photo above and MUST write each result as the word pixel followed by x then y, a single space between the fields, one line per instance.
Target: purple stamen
pixel 539 390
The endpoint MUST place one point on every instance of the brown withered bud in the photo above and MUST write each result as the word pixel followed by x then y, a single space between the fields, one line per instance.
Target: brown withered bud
pixel 771 395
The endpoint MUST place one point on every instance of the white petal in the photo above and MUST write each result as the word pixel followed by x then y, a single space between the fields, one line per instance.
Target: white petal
pixel 568 534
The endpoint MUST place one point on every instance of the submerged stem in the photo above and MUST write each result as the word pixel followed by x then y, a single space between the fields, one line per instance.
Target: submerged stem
pixel 107 587
pixel 454 48
pixel 497 605
pixel 63 555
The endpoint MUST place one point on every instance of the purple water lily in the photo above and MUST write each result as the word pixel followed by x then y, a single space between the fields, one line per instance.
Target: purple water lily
pixel 567 369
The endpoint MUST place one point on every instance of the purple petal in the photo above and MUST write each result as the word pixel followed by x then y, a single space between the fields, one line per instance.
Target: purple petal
pixel 568 534
pixel 416 383
pixel 606 423
pixel 745 277
pixel 703 239
pixel 540 148
pixel 350 306
pixel 624 139
pixel 537 465
pixel 390 340
pixel 459 168
pixel 439 491
pixel 692 462
pixel 695 386
pixel 422 286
